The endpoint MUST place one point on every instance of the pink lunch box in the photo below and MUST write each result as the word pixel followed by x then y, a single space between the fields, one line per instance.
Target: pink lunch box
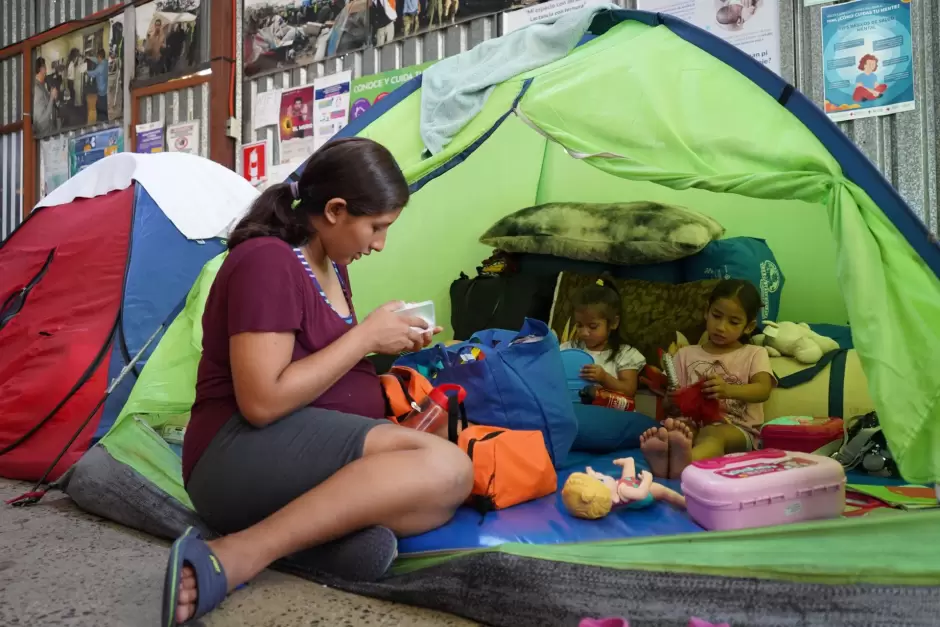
pixel 763 488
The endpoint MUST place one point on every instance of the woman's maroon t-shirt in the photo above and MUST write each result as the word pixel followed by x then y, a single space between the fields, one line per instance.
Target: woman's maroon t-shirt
pixel 262 287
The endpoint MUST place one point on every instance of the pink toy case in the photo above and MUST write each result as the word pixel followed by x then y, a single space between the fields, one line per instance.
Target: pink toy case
pixel 763 488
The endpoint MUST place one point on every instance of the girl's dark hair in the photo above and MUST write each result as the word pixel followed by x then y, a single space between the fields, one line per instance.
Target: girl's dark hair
pixel 742 291
pixel 605 297
pixel 360 171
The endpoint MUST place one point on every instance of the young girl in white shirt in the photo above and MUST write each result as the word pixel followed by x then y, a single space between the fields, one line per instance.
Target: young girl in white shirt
pixel 616 364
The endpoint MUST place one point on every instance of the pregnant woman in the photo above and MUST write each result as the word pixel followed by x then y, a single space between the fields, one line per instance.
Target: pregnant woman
pixel 286 449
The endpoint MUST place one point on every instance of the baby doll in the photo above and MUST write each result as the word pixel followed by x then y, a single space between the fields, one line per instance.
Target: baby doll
pixel 592 495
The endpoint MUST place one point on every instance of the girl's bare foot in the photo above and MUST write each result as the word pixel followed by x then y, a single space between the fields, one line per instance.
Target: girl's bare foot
pixel 655 447
pixel 679 436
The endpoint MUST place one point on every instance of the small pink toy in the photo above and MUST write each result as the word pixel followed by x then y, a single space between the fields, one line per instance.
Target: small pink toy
pixel 763 488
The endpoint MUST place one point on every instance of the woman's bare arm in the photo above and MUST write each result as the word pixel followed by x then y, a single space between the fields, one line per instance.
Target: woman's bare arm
pixel 269 386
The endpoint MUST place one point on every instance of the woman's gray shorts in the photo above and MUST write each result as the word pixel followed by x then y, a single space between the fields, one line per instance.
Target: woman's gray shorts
pixel 246 474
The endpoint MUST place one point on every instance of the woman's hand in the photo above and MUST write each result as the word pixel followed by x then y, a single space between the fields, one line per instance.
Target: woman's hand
pixel 391 333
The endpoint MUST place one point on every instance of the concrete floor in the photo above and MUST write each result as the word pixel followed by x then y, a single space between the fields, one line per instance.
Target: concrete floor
pixel 60 566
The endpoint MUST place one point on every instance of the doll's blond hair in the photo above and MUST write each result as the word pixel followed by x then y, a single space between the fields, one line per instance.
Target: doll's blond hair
pixel 586 497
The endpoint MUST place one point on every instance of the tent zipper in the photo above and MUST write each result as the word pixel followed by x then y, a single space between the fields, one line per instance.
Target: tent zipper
pixel 14 304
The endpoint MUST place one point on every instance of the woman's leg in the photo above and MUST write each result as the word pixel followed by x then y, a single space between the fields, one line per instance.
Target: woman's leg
pixel 408 481
pixel 717 440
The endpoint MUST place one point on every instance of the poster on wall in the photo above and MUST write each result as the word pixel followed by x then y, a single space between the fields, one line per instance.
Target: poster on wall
pixel 753 26
pixel 183 137
pixel 85 150
pixel 287 33
pixel 79 79
pixel 278 174
pixel 54 162
pixel 168 33
pixel 296 125
pixel 255 161
pixel 331 102
pixel 368 90
pixel 514 20
pixel 150 137
pixel 868 59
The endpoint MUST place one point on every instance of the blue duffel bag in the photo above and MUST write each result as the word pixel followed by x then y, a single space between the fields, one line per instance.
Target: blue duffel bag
pixel 513 379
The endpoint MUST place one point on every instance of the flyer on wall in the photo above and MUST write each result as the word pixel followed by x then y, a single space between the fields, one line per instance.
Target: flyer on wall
pixel 54 159
pixel 296 126
pixel 85 150
pixel 183 137
pixel 255 159
pixel 149 137
pixel 331 98
pixel 868 59
pixel 514 20
pixel 753 26
pixel 369 90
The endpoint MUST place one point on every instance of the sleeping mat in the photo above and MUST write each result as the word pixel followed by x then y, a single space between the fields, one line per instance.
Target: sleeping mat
pixel 545 520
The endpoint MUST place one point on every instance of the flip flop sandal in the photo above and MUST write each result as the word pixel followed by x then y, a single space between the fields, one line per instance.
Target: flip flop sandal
pixel 211 583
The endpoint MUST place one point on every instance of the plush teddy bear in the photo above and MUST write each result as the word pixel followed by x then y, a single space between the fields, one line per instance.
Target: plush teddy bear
pixel 794 340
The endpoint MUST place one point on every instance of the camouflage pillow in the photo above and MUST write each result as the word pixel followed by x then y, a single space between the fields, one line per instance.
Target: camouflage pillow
pixel 622 233
pixel 652 312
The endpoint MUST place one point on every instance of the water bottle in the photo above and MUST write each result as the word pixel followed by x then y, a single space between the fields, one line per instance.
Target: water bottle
pixel 431 413
pixel 596 395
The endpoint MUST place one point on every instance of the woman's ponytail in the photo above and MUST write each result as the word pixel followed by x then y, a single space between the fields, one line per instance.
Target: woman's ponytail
pixel 358 171
pixel 272 215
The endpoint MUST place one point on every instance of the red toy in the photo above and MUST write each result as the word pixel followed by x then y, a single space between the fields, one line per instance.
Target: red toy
pixel 693 404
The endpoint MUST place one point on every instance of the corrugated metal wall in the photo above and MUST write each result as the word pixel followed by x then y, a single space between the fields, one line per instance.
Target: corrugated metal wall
pixel 51 13
pixel 11 145
pixel 17 20
pixel 11 182
pixel 183 105
pixel 20 19
pixel 11 90
pixel 904 146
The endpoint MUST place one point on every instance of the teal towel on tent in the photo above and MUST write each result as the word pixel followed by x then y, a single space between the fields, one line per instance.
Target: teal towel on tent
pixel 455 89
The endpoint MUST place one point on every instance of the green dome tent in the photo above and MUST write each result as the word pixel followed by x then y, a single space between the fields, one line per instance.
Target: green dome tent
pixel 646 108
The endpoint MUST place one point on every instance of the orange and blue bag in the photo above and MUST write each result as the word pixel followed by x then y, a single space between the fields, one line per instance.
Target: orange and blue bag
pixel 404 389
pixel 509 467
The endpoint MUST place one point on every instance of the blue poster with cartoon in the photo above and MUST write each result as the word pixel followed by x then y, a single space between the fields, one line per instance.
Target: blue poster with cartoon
pixel 87 149
pixel 868 58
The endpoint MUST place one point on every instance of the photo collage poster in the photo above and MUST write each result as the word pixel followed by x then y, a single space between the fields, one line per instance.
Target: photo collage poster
pixel 281 34
pixel 168 38
pixel 79 79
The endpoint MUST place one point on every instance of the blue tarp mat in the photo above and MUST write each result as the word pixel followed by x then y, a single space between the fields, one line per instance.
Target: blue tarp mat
pixel 545 521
